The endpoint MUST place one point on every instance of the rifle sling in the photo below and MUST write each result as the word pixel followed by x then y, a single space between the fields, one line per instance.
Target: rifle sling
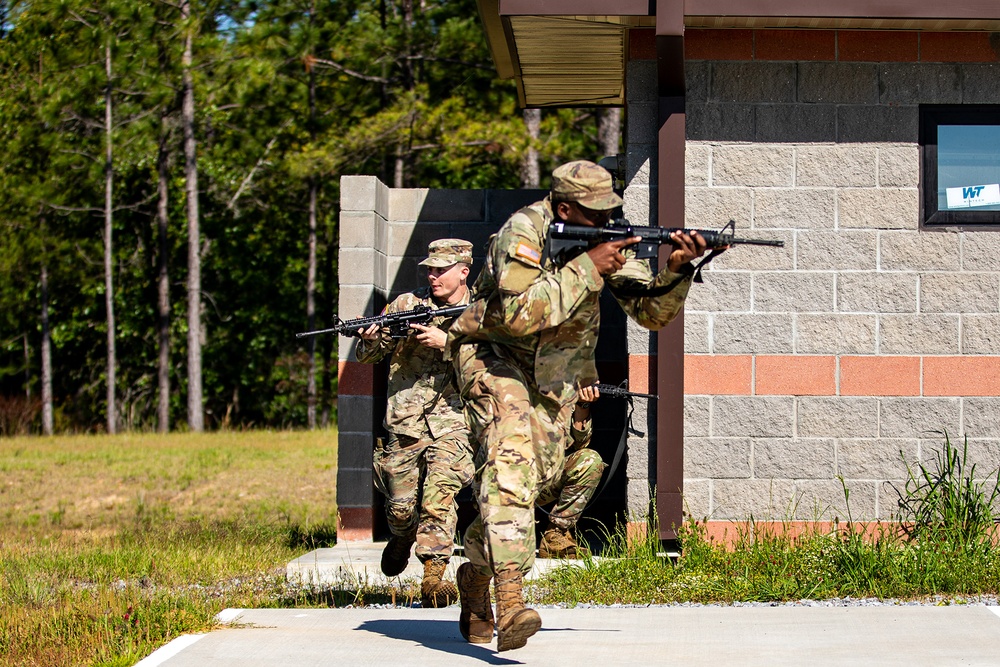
pixel 634 288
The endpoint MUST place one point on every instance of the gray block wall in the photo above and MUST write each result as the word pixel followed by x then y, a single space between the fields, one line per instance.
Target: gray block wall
pixel 825 157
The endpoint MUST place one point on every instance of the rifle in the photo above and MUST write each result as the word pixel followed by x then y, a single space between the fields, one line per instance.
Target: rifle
pixel 566 241
pixel 398 324
pixel 613 391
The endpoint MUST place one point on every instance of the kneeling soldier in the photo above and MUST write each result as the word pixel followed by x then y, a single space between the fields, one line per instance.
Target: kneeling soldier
pixel 573 489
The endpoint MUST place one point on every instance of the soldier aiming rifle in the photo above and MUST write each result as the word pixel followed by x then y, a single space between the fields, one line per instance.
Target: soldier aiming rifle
pixel 427 458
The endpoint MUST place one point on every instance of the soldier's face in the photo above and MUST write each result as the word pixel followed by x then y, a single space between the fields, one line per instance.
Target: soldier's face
pixel 575 214
pixel 447 281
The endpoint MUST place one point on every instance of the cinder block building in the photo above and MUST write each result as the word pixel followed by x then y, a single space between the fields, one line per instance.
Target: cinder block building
pixel 865 135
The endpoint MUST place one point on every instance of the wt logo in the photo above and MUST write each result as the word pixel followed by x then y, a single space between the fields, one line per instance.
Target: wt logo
pixel 970 196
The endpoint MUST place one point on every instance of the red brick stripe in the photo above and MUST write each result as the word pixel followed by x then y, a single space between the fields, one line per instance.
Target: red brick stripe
pixel 795 45
pixel 796 376
pixel 961 376
pixel 957 47
pixel 894 46
pixel 355 379
pixel 839 45
pixel 642 373
pixel 880 376
pixel 804 375
pixel 718 44
pixel 354 524
pixel 717 374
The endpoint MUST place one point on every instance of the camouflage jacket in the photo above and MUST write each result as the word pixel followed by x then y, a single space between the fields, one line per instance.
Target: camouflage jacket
pixel 422 394
pixel 546 317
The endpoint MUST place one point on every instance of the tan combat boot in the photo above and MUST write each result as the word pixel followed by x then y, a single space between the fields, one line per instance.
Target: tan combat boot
pixel 434 591
pixel 476 620
pixel 515 622
pixel 559 543
pixel 396 554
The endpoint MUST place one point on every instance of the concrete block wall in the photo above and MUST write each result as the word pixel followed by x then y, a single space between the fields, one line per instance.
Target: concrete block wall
pixel 838 356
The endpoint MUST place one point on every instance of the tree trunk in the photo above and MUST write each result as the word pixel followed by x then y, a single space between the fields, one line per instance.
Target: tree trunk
pixel 609 130
pixel 311 270
pixel 47 426
pixel 196 416
pixel 109 294
pixel 531 173
pixel 327 345
pixel 163 282
pixel 27 368
pixel 311 307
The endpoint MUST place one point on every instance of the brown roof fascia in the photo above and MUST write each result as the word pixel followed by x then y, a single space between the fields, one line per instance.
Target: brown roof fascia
pixel 498 39
pixel 911 9
pixel 577 8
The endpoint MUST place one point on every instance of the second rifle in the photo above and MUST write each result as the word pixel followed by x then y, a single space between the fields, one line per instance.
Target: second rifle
pixel 398 324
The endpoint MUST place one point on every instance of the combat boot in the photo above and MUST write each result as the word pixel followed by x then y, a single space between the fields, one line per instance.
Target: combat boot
pixel 515 622
pixel 476 620
pixel 396 554
pixel 560 543
pixel 434 591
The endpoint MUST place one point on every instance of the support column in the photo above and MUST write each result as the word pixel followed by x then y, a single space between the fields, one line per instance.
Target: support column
pixel 670 213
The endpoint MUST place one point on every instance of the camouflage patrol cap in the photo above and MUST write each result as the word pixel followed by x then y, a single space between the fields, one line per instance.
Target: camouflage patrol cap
pixel 445 252
pixel 586 183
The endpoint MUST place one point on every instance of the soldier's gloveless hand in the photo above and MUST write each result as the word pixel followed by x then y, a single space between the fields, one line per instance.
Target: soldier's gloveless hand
pixel 430 336
pixel 371 333
pixel 607 257
pixel 687 246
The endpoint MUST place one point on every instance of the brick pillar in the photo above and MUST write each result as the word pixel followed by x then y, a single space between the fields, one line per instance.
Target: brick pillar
pixel 363 216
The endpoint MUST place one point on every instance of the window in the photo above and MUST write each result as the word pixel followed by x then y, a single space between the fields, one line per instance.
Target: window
pixel 960 165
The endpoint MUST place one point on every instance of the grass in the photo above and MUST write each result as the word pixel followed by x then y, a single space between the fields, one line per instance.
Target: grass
pixel 943 542
pixel 768 567
pixel 112 546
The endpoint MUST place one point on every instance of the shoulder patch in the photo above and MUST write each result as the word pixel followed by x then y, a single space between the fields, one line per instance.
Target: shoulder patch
pixel 525 251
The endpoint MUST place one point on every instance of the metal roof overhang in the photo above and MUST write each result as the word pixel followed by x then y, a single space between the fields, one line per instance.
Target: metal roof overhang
pixel 573 52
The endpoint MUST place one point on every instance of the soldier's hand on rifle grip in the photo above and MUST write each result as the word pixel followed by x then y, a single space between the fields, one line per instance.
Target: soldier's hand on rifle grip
pixel 607 257
pixel 589 394
pixel 371 333
pixel 432 337
pixel 687 247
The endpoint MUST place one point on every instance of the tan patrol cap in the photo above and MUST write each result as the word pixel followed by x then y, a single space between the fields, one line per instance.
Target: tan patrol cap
pixel 587 184
pixel 445 252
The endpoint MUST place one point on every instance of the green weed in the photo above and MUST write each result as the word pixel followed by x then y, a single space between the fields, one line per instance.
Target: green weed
pixel 944 543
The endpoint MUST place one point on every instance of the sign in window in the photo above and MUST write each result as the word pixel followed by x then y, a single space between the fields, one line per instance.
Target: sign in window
pixel 960 164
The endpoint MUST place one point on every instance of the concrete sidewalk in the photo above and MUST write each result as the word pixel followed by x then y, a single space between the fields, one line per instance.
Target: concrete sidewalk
pixel 908 636
pixel 689 636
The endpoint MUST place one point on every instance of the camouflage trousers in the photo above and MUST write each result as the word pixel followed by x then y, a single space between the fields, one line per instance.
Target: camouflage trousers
pixel 574 488
pixel 520 438
pixel 428 472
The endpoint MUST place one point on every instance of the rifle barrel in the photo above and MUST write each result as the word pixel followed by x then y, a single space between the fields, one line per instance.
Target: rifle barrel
pixel 304 334
pixel 738 241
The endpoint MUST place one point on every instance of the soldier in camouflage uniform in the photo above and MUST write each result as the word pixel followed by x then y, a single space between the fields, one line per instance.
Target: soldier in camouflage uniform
pixel 574 488
pixel 427 458
pixel 521 351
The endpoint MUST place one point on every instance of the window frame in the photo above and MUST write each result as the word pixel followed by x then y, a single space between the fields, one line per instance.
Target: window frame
pixel 931 116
